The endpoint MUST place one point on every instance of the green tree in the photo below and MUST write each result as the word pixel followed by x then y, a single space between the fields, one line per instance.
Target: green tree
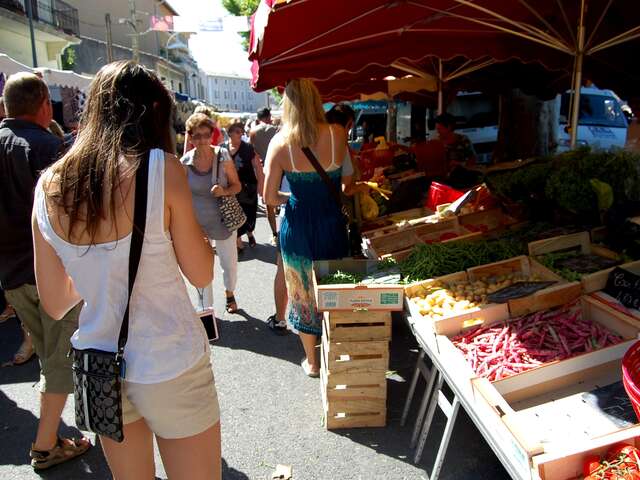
pixel 242 8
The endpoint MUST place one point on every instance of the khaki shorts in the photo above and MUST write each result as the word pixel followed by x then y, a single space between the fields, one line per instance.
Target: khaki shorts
pixel 51 338
pixel 178 408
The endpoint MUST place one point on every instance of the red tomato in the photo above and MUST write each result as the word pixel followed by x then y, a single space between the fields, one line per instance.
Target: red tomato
pixel 448 236
pixel 591 464
pixel 622 448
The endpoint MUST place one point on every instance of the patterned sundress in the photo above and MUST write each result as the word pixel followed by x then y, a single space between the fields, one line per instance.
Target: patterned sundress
pixel 312 229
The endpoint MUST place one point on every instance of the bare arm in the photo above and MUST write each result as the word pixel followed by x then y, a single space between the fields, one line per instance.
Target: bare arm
pixel 233 181
pixel 259 171
pixel 271 194
pixel 193 250
pixel 55 287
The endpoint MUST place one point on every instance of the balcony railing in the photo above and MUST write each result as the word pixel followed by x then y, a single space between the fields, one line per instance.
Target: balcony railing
pixel 56 13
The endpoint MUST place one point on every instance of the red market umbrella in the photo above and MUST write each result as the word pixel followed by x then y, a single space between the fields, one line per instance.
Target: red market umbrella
pixel 322 38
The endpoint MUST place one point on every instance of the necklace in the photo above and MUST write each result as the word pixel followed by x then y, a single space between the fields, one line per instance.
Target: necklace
pixel 203 160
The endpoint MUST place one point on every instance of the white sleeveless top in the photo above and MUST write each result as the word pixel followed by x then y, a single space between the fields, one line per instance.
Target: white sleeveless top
pixel 166 338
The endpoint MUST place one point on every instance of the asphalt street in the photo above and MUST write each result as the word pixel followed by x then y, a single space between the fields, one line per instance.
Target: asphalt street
pixel 270 412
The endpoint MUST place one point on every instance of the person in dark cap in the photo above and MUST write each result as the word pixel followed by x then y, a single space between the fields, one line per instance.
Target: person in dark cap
pixel 459 150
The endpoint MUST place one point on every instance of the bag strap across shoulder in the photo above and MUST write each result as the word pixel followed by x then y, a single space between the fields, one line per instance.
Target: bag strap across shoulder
pixel 137 239
pixel 325 177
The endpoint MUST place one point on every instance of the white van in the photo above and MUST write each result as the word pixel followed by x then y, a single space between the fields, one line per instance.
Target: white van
pixel 601 125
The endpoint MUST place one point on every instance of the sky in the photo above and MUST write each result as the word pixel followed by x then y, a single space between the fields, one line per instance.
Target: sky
pixel 215 52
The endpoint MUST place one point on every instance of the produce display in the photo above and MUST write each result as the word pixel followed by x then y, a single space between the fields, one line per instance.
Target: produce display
pixel 574 265
pixel 622 462
pixel 502 350
pixel 443 299
pixel 436 260
pixel 386 273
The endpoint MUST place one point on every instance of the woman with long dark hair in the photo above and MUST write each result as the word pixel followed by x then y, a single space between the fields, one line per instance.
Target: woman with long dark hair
pixel 82 230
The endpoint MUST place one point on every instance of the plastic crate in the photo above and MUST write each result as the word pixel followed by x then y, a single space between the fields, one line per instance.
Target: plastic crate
pixel 440 194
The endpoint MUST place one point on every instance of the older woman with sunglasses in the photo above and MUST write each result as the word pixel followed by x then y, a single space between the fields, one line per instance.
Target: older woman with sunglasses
pixel 211 174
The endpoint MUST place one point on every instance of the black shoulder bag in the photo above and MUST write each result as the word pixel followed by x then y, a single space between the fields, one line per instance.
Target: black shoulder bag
pixel 351 228
pixel 97 374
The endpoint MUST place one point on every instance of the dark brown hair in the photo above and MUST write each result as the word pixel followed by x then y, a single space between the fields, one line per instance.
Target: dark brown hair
pixel 128 112
pixel 198 120
pixel 236 126
pixel 24 93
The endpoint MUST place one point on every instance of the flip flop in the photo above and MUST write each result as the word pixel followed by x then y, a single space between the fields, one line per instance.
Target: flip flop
pixel 307 369
pixel 24 354
pixel 61 452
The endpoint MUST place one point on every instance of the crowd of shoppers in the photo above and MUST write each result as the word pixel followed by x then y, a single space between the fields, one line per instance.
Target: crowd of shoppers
pixel 70 207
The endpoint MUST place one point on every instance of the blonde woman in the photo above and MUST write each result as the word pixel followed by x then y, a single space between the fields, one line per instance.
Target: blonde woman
pixel 313 227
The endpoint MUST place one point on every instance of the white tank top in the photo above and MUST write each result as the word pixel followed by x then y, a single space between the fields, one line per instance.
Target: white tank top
pixel 166 338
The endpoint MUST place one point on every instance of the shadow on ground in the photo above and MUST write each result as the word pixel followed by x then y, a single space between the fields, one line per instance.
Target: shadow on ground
pixel 241 331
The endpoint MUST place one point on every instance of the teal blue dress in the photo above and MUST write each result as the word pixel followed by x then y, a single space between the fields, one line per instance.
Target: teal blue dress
pixel 313 228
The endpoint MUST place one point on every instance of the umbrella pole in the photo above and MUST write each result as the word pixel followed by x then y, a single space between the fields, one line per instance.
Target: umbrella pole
pixel 440 92
pixel 577 80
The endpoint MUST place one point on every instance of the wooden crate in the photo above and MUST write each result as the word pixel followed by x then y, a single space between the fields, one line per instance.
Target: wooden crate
pixel 355 357
pixel 546 298
pixel 493 218
pixel 357 326
pixel 376 247
pixel 543 410
pixel 353 381
pixel 390 222
pixel 403 254
pixel 349 297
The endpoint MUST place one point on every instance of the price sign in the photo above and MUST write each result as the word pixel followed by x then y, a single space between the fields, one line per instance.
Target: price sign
pixel 624 286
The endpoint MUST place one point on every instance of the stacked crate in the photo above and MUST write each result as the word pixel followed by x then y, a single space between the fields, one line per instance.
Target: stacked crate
pixel 354 362
pixel 355 345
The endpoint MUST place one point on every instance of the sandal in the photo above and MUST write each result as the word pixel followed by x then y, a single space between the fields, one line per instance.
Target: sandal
pixel 231 307
pixel 24 353
pixel 277 327
pixel 252 241
pixel 63 451
pixel 307 369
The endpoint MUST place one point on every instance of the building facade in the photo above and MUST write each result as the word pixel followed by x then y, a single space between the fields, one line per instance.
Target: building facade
pixel 164 52
pixel 233 93
pixel 55 26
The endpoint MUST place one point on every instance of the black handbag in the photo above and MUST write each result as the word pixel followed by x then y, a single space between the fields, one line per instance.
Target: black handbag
pixel 233 217
pixel 98 374
pixel 353 236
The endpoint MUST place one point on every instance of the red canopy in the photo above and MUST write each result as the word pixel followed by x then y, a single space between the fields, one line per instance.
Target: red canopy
pixel 322 38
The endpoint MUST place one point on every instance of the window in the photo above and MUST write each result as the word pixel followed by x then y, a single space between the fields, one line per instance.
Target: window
pixel 595 110
pixel 235 95
pixel 180 87
pixel 225 81
pixel 216 80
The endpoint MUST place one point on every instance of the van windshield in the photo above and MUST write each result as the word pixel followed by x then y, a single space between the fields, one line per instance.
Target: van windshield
pixel 474 111
pixel 595 110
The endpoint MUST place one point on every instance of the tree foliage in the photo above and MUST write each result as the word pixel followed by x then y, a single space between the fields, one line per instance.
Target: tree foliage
pixel 242 8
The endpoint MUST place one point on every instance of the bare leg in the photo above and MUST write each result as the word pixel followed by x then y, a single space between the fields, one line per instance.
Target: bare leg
pixel 193 458
pixel 280 292
pixel 133 458
pixel 271 217
pixel 309 343
pixel 51 406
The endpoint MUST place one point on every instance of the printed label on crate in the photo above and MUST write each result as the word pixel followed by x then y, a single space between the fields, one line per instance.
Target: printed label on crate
pixel 361 301
pixel 391 298
pixel 329 299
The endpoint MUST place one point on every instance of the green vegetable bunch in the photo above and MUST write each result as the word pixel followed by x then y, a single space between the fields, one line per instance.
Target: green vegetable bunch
pixel 434 260
pixel 550 261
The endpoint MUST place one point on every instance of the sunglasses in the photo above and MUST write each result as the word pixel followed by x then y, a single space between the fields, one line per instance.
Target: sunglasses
pixel 201 136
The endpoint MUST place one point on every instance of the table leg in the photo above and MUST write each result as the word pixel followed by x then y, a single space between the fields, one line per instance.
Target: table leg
pixel 412 389
pixel 432 408
pixel 444 444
